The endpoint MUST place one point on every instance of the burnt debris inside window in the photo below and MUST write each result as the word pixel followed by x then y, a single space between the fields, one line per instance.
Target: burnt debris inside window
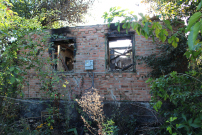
pixel 62 54
pixel 120 52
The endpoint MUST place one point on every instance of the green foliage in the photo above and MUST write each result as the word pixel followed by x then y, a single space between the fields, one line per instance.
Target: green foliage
pixel 194 27
pixel 125 124
pixel 23 42
pixel 190 9
pixel 144 27
pixel 13 30
pixel 52 12
pixel 169 10
pixel 109 128
pixel 170 59
pixel 177 97
pixel 73 130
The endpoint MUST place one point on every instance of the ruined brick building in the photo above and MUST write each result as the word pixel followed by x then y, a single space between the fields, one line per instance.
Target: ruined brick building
pixel 117 74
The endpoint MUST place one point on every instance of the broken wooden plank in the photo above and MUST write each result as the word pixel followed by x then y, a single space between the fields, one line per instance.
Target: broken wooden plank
pixel 127 67
pixel 121 54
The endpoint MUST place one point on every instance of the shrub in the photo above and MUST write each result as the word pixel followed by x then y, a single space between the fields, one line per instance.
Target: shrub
pixel 177 97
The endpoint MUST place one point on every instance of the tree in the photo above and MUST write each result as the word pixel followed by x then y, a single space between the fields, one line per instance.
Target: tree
pixel 23 42
pixel 13 29
pixel 144 27
pixel 189 10
pixel 181 92
pixel 49 12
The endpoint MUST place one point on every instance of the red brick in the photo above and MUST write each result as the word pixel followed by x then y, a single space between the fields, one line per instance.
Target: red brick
pixel 91 45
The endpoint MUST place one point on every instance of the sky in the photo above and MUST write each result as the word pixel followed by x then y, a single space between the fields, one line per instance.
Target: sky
pixel 101 6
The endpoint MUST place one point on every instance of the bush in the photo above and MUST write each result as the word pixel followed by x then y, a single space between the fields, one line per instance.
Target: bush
pixel 177 97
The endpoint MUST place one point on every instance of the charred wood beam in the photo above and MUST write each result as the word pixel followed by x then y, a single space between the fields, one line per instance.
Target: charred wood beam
pixel 63 62
pixel 127 67
pixel 120 47
pixel 116 67
pixel 115 38
pixel 121 54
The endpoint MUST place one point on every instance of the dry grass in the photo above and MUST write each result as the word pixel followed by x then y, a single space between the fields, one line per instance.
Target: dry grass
pixel 92 104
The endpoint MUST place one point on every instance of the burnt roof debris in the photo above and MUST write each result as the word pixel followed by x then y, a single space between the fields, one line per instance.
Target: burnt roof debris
pixel 113 27
pixel 63 39
pixel 61 31
pixel 59 35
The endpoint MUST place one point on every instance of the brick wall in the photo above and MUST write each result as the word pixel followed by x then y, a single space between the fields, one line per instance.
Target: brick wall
pixel 91 43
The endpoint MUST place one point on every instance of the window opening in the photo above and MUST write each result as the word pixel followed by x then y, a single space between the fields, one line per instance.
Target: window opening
pixel 63 55
pixel 120 50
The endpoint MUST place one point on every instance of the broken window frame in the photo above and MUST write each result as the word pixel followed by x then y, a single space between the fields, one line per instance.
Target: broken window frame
pixel 62 40
pixel 113 36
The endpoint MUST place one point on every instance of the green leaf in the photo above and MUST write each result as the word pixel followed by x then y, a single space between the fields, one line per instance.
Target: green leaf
pixel 117 23
pixel 187 127
pixel 169 129
pixel 141 14
pixel 170 40
pixel 193 35
pixel 154 25
pixel 172 119
pixel 131 12
pixel 118 28
pixel 178 125
pixel 195 125
pixel 124 25
pixel 135 26
pixel 174 44
pixel 128 25
pixel 157 31
pixel 193 19
pixel 12 80
pixel 162 35
pixel 159 26
pixel 12 68
pixel 73 130
pixel 181 126
pixel 184 117
pixel 146 28
pixel 190 121
pixel 199 6
pixel 22 94
pixel 157 105
pixel 190 39
pixel 149 80
pixel 177 39
pixel 196 30
pixel 16 71
pixel 167 22
pixel 109 24
pixel 138 30
pixel 197 121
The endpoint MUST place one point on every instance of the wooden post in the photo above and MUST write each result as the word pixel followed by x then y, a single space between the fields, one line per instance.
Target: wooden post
pixel 58 60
